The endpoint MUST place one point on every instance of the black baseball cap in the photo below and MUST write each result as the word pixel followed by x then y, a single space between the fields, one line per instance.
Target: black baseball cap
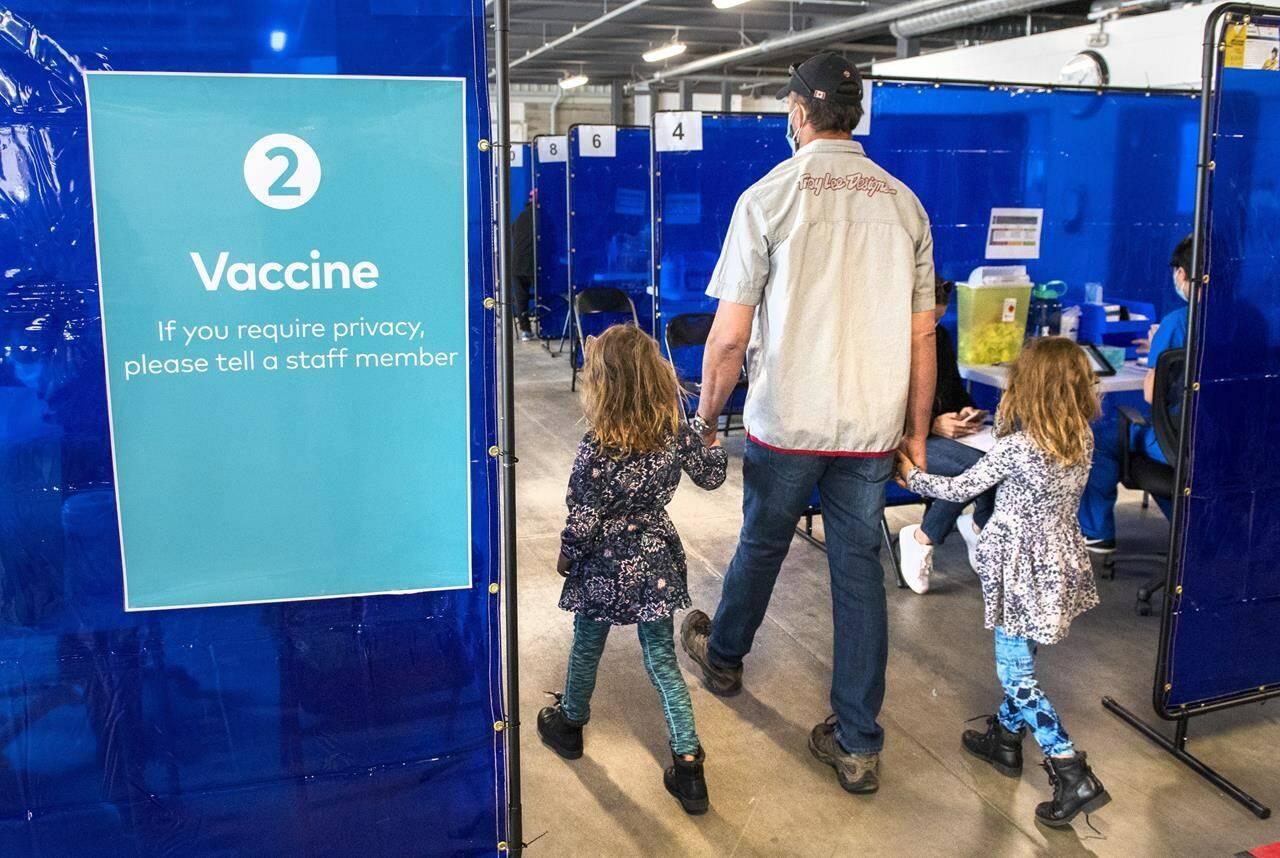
pixel 826 77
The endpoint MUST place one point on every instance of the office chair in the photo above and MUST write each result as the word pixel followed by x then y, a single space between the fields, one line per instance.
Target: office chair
pixel 1145 474
pixel 685 337
pixel 596 301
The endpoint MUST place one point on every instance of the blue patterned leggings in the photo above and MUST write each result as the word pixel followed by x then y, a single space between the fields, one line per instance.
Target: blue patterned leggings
pixel 1024 702
pixel 657 642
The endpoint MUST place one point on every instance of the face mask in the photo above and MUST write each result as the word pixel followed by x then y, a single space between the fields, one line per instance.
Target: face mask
pixel 792 134
pixel 1183 288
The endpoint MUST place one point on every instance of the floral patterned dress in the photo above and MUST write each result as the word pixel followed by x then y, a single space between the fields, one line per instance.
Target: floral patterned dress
pixel 1035 571
pixel 628 565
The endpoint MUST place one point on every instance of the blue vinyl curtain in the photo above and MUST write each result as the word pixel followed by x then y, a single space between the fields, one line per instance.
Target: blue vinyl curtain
pixel 1225 626
pixel 610 242
pixel 551 241
pixel 351 726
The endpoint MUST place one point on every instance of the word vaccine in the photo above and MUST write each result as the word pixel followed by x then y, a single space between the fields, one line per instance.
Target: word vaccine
pixel 275 276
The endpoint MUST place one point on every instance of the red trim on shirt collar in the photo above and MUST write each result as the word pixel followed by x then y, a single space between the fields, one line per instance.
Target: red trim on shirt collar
pixel 837 454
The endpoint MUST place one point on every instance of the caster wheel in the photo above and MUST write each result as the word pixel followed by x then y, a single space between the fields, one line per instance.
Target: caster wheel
pixel 1143 609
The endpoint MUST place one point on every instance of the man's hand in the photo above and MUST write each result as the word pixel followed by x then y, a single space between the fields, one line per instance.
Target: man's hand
pixel 954 425
pixel 913 448
pixel 563 564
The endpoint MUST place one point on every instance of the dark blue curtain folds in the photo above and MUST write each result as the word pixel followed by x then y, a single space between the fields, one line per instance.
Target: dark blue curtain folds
pixel 345 727
pixel 1225 631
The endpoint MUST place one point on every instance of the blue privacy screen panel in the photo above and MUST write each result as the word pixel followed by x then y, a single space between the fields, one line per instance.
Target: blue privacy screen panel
pixel 1114 173
pixel 694 195
pixel 551 236
pixel 610 242
pixel 351 726
pixel 521 178
pixel 1225 630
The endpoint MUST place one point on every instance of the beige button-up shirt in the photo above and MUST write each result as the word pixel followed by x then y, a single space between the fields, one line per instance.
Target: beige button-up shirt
pixel 836 254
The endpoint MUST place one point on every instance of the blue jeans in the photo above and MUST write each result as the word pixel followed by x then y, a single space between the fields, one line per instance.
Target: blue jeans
pixel 776 490
pixel 1098 503
pixel 657 643
pixel 1024 702
pixel 950 458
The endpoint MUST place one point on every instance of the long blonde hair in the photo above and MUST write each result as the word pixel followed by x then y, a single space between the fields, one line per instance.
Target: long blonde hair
pixel 1052 397
pixel 629 392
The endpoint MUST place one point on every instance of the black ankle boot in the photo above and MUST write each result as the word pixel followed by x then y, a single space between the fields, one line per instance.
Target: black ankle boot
pixel 998 746
pixel 559 733
pixel 1075 789
pixel 685 781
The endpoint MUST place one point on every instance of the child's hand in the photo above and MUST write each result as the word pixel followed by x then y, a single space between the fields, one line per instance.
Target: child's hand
pixel 563 564
pixel 902 466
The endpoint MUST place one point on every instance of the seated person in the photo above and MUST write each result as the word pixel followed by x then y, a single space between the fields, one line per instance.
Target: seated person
pixel 1097 506
pixel 954 417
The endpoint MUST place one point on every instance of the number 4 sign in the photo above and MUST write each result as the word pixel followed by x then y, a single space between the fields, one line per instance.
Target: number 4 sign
pixel 597 141
pixel 678 131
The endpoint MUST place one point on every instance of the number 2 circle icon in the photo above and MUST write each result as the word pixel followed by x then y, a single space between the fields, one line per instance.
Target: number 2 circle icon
pixel 282 171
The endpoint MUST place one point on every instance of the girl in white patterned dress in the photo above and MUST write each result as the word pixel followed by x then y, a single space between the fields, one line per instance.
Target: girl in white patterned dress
pixel 1035 572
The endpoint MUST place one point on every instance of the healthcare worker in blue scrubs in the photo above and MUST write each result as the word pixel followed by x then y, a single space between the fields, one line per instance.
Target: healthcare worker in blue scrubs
pixel 1097 506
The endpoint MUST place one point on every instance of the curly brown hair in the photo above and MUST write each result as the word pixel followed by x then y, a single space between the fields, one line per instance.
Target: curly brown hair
pixel 629 392
pixel 1052 396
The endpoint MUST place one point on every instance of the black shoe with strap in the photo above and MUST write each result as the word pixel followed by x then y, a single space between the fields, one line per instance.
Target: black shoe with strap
pixel 1075 790
pixel 685 780
pixel 1000 747
pixel 558 732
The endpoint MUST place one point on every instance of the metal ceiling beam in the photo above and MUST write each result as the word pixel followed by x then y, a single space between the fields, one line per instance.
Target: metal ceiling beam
pixel 578 31
pixel 868 22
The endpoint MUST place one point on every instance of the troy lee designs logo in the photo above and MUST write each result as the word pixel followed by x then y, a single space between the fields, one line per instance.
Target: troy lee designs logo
pixel 855 182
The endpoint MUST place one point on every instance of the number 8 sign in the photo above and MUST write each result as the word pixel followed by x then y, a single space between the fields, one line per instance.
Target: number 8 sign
pixel 597 141
pixel 552 149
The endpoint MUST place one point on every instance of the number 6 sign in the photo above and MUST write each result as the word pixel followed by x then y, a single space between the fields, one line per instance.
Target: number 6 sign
pixel 597 141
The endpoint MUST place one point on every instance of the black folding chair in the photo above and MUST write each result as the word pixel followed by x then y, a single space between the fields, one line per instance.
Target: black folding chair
pixel 1141 472
pixel 685 337
pixel 596 301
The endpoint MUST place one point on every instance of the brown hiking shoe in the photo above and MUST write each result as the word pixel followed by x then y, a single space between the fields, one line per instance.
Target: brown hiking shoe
pixel 857 773
pixel 695 633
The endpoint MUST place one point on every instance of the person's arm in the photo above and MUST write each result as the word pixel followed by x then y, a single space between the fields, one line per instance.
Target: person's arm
pixel 706 465
pixel 738 283
pixel 924 349
pixel 990 469
pixel 585 499
pixel 722 359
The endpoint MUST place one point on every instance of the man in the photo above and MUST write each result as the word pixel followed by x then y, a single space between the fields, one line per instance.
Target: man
pixel 1098 504
pixel 831 258
pixel 522 267
pixel 954 417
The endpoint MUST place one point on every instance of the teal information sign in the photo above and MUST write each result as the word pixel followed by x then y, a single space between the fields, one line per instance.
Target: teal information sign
pixel 284 302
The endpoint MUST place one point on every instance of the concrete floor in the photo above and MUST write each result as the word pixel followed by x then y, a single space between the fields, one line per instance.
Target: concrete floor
pixel 769 797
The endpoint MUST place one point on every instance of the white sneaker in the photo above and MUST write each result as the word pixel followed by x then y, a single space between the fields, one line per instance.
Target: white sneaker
pixel 964 524
pixel 916 559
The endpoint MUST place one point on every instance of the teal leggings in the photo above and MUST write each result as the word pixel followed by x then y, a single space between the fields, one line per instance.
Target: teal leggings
pixel 657 642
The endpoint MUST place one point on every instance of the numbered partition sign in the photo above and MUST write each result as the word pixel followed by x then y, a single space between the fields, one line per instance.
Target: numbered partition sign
pixel 598 141
pixel 284 304
pixel 678 131
pixel 553 149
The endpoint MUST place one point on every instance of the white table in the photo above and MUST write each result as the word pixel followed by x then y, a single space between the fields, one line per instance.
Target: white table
pixel 1130 376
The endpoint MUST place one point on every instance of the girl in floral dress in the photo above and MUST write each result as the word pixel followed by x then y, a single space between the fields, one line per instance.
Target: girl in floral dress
pixel 1031 558
pixel 620 554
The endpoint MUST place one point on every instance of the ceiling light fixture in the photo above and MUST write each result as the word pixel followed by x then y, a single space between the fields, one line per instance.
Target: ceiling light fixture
pixel 671 49
pixel 728 4
pixel 573 81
